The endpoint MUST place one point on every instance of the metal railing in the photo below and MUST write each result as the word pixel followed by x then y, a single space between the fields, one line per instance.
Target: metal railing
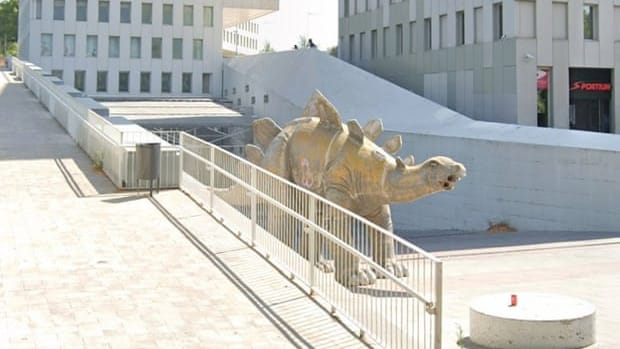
pixel 308 236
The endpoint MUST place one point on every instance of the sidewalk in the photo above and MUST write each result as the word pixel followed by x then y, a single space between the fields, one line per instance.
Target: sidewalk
pixel 85 266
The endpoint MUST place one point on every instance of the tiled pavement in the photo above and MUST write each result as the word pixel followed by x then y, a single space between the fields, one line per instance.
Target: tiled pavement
pixel 84 266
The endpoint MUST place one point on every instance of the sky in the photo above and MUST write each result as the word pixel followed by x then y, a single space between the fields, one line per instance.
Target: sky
pixel 316 19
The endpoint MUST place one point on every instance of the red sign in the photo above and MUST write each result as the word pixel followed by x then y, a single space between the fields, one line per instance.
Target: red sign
pixel 542 80
pixel 591 86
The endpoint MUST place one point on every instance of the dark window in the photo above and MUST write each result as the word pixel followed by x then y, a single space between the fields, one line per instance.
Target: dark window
pixel 156 48
pixel 166 82
pixel 145 82
pixel 147 13
pixel 79 80
pixel 167 14
pixel 81 10
pixel 186 83
pixel 123 81
pixel 104 11
pixel 460 28
pixel 59 10
pixel 125 12
pixel 206 83
pixel 102 81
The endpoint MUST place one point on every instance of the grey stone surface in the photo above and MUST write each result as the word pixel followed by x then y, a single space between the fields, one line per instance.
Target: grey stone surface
pixel 84 266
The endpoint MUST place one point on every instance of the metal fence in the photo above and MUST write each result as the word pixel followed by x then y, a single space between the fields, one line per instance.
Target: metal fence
pixel 309 237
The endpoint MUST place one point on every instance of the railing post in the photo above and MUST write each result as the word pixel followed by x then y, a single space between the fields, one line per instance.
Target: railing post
pixel 253 203
pixel 180 147
pixel 438 303
pixel 312 242
pixel 212 176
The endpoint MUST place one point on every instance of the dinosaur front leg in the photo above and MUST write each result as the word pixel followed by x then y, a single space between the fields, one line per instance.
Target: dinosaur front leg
pixel 348 270
pixel 383 245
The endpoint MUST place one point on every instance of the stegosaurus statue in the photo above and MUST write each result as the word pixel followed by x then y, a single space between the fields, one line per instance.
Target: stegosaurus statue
pixel 342 163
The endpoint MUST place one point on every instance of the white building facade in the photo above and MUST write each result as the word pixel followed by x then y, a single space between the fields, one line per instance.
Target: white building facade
pixel 133 48
pixel 241 40
pixel 538 63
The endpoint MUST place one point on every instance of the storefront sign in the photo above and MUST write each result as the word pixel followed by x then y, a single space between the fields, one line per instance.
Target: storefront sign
pixel 591 86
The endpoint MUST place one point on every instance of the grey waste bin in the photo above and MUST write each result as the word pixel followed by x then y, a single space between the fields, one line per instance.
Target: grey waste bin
pixel 147 162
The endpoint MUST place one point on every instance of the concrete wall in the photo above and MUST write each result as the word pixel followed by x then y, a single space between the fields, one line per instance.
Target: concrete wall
pixel 533 178
pixel 485 78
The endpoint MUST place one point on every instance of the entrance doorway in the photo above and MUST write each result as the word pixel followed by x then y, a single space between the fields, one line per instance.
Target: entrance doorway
pixel 590 115
pixel 590 93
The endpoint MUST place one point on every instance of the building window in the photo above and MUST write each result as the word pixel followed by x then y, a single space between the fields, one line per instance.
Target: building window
pixel 135 47
pixel 79 80
pixel 351 46
pixel 186 83
pixel 156 48
pixel 428 34
pixel 234 90
pixel 266 99
pixel 246 88
pixel 81 10
pixel 460 28
pixel 373 44
pixel 38 7
pixel 197 49
pixel 443 31
pixel 590 22
pixel 114 46
pixel 559 18
pixel 498 21
pixel 206 83
pixel 47 47
pixel 57 73
pixel 177 48
pixel 125 12
pixel 104 11
pixel 399 39
pixel 147 13
pixel 123 81
pixel 208 16
pixel 167 14
pixel 253 100
pixel 91 46
pixel 412 37
pixel 384 43
pixel 526 19
pixel 347 11
pixel 543 83
pixel 166 82
pixel 362 48
pixel 59 10
pixel 478 25
pixel 102 81
pixel 188 15
pixel 145 82
pixel 69 49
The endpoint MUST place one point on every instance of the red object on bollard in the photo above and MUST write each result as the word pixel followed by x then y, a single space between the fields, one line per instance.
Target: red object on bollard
pixel 513 300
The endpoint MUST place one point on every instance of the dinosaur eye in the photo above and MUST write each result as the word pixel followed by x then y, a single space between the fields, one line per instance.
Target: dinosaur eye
pixel 433 163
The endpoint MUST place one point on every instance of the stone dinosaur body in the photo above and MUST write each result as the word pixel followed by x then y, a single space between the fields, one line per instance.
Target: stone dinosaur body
pixel 342 163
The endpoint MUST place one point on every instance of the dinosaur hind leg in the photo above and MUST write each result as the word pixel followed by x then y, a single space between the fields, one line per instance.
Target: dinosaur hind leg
pixel 383 252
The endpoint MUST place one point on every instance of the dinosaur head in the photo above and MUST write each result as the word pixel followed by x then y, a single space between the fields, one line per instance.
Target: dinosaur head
pixel 411 182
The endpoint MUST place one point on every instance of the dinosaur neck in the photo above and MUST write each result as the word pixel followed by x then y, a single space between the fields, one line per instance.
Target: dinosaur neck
pixel 408 185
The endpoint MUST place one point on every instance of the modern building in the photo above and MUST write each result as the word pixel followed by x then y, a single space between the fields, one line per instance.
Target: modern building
pixel 545 63
pixel 241 40
pixel 134 48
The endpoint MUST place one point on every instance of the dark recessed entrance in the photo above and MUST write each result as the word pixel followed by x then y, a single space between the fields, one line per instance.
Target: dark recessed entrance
pixel 590 93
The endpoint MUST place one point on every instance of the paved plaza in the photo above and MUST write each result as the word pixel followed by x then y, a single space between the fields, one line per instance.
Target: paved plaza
pixel 85 266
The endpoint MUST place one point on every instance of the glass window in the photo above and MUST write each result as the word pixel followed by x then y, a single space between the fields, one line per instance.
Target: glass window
pixel 59 10
pixel 208 16
pixel 362 45
pixel 135 47
pixel 198 49
pixel 145 82
pixel 412 37
pixel 81 10
pixel 266 99
pixel 177 48
pixel 590 22
pixel 47 47
pixel 38 7
pixel 428 34
pixel 91 46
pixel 478 25
pixel 559 18
pixel 79 80
pixel 125 12
pixel 69 50
pixel 114 47
pixel 443 31
pixel 373 44
pixel 156 48
pixel 123 81
pixel 399 39
pixel 460 28
pixel 147 13
pixel 166 82
pixel 188 15
pixel 187 83
pixel 167 14
pixel 351 46
pixel 498 21
pixel 102 81
pixel 206 83
pixel 57 73
pixel 384 44
pixel 104 11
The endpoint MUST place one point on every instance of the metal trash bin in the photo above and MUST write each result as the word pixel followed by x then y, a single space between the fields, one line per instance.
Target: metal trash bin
pixel 147 163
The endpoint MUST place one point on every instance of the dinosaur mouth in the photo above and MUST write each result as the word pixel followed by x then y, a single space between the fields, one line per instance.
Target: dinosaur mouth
pixel 450 182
